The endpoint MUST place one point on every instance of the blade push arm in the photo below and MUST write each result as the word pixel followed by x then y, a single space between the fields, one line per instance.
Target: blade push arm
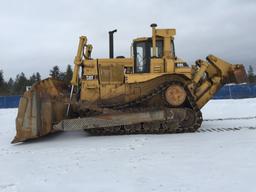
pixel 211 75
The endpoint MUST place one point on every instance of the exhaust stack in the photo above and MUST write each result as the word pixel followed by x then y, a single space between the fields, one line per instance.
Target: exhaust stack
pixel 111 43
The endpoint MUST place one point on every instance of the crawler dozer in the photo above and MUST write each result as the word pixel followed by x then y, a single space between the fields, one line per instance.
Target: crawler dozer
pixel 153 91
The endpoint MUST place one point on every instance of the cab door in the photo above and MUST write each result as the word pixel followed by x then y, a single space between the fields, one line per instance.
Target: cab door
pixel 143 61
pixel 141 57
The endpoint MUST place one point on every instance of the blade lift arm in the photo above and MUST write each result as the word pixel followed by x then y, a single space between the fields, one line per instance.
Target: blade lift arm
pixel 78 59
pixel 77 63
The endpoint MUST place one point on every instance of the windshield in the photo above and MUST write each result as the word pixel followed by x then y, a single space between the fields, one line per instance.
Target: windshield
pixel 140 57
pixel 143 51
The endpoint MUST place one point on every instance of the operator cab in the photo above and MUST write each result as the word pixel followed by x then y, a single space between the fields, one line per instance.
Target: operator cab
pixel 143 53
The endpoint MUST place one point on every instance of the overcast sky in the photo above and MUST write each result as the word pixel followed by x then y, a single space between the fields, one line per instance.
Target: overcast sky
pixel 38 34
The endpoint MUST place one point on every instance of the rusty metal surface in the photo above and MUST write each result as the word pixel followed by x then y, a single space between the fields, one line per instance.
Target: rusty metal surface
pixel 240 75
pixel 110 120
pixel 170 115
pixel 39 108
pixel 175 95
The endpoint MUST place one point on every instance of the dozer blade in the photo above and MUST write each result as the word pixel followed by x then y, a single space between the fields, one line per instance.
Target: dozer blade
pixel 39 108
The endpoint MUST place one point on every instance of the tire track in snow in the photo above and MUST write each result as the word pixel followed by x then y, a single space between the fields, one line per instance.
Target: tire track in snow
pixel 222 129
pixel 231 118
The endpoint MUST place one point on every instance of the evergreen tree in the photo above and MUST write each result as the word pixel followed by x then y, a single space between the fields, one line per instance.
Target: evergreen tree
pixel 62 76
pixel 251 76
pixel 20 84
pixel 1 78
pixel 10 86
pixel 32 79
pixel 55 72
pixel 69 74
pixel 38 76
pixel 3 84
pixel 10 82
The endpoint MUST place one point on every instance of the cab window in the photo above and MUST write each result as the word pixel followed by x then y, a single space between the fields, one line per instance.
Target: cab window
pixel 143 52
pixel 142 57
pixel 159 49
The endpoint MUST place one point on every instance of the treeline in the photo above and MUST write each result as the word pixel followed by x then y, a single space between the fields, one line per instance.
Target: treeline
pixel 18 85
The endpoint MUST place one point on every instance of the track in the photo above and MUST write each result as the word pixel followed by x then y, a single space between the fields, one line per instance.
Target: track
pixel 153 129
pixel 191 124
pixel 164 127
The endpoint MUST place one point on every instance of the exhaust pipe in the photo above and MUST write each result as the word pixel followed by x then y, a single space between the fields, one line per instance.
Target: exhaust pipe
pixel 111 43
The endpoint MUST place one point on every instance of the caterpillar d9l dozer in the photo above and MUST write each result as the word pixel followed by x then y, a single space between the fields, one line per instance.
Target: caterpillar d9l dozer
pixel 154 91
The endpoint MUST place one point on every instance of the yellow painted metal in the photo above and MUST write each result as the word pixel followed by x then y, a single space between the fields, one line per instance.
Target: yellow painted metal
pixel 199 74
pixel 213 75
pixel 157 65
pixel 204 98
pixel 114 81
pixel 108 79
pixel 90 67
pixel 165 32
pixel 111 74
pixel 167 47
pixel 141 77
pixel 140 39
pixel 90 85
pixel 90 91
pixel 167 35
pixel 170 66
pixel 111 91
pixel 187 71
pixel 126 62
pixel 203 88
pixel 78 59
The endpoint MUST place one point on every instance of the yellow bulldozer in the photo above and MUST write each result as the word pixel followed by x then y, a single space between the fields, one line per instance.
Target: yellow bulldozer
pixel 153 91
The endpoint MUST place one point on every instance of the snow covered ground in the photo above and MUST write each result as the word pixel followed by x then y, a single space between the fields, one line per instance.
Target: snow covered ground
pixel 196 162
